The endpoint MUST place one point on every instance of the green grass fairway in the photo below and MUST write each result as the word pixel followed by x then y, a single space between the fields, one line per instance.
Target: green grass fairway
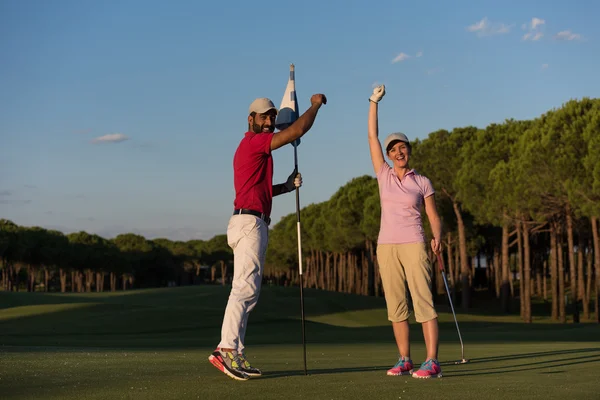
pixel 154 344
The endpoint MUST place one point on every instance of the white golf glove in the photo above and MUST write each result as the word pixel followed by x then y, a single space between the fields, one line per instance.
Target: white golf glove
pixel 378 94
pixel 294 181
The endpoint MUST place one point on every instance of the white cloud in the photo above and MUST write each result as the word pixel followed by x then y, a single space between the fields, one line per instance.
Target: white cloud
pixel 478 26
pixel 110 138
pixel 567 35
pixel 534 26
pixel 533 36
pixel 503 28
pixel 400 57
pixel 487 28
pixel 535 22
pixel 403 56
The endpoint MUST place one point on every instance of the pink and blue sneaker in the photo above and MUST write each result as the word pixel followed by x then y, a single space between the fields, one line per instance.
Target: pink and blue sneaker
pixel 404 366
pixel 429 369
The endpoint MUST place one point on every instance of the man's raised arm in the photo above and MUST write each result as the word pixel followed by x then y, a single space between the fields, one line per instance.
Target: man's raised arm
pixel 301 125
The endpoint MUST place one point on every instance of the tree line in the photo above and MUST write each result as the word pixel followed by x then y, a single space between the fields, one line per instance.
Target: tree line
pixel 34 258
pixel 519 201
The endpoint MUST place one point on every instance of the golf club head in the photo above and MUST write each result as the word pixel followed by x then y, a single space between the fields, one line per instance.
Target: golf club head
pixel 288 110
pixel 463 361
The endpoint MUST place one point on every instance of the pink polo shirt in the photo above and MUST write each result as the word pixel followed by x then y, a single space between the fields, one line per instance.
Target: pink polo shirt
pixel 401 203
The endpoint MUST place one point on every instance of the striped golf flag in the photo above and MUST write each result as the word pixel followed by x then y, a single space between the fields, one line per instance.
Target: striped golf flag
pixel 288 110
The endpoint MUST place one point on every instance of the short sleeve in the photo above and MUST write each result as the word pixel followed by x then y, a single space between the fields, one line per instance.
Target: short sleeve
pixel 384 170
pixel 426 187
pixel 261 143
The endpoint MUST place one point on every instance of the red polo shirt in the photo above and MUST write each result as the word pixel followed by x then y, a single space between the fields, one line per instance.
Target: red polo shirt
pixel 253 173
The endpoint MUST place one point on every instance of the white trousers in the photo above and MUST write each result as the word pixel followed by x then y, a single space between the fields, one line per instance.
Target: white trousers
pixel 248 236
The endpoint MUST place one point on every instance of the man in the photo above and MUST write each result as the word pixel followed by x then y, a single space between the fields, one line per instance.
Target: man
pixel 247 232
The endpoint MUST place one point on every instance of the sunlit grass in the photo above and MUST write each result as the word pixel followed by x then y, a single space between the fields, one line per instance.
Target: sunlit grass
pixel 154 344
pixel 42 309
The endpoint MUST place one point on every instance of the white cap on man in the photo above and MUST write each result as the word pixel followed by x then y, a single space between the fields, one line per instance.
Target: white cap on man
pixel 261 105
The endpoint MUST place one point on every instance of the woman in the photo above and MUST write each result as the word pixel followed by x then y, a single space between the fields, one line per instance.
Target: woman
pixel 401 250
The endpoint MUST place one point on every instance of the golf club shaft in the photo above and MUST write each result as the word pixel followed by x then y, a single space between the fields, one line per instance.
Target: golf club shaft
pixel 300 257
pixel 441 265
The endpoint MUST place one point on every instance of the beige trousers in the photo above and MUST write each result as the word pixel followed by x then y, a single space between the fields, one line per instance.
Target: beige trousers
pixel 402 266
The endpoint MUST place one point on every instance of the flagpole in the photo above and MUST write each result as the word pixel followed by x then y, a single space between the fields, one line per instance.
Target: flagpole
pixel 300 259
pixel 288 113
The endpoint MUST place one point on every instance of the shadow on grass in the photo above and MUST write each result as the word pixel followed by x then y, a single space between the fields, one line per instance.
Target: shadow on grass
pixel 538 363
pixel 325 371
pixel 449 372
pixel 523 367
pixel 531 355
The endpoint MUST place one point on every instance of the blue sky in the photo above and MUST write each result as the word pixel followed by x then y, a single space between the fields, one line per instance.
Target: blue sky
pixel 167 86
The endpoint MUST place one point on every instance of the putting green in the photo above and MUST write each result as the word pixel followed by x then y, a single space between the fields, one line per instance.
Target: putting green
pixel 154 344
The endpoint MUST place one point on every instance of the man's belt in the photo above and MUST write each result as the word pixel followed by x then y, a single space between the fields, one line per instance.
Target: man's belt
pixel 258 214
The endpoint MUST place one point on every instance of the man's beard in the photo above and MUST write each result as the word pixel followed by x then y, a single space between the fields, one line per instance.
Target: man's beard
pixel 259 128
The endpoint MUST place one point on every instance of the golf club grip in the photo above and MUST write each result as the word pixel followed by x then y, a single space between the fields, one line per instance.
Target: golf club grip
pixel 440 262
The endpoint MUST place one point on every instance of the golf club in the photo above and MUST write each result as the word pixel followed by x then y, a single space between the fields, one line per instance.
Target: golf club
pixel 462 348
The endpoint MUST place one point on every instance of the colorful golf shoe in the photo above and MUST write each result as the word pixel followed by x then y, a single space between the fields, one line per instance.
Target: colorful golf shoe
pixel 429 369
pixel 404 366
